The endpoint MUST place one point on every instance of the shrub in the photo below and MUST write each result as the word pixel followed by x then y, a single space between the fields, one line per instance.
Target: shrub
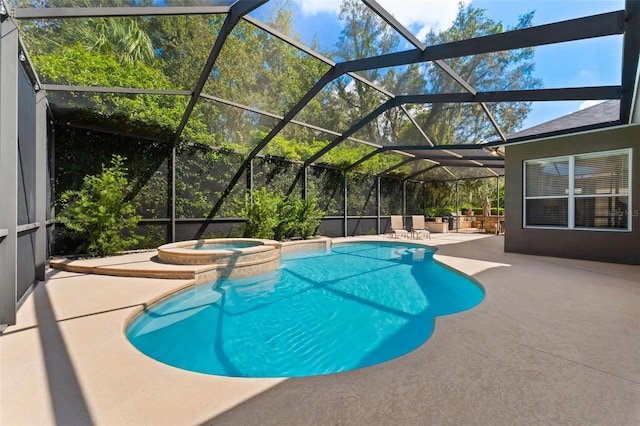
pixel 309 216
pixel 275 217
pixel 100 211
pixel 287 217
pixel 261 214
pixel 438 211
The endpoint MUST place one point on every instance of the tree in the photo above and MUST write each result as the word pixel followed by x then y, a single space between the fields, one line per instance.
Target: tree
pixel 121 37
pixel 366 35
pixel 506 70
pixel 256 69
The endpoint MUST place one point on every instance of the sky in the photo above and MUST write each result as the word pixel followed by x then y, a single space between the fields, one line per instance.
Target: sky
pixel 575 64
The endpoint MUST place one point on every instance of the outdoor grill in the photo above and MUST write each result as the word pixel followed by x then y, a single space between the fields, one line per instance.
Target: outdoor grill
pixel 454 221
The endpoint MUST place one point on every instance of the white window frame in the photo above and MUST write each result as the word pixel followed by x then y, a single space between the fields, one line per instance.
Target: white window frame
pixel 571 195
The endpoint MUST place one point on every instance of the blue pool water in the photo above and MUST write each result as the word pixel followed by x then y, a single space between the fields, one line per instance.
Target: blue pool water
pixel 322 312
pixel 230 246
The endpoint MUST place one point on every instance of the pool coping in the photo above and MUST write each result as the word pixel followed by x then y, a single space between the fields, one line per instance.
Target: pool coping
pixel 183 252
pixel 146 264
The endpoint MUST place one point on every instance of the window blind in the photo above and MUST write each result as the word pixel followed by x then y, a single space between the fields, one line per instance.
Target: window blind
pixel 586 191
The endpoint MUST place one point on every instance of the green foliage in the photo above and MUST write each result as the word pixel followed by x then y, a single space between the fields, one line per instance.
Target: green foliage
pixel 292 149
pixel 438 211
pixel 471 194
pixel 328 187
pixel 493 196
pixel 101 212
pixel 202 182
pixel 505 70
pixel 260 71
pixel 75 65
pixel 155 116
pixel 121 37
pixel 274 216
pixel 79 153
pixel 287 216
pixel 261 214
pixel 308 215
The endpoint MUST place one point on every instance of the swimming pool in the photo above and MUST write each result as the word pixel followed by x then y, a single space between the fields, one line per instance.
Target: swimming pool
pixel 323 311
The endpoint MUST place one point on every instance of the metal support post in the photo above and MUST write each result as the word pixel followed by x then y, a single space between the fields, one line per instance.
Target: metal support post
pixel 378 199
pixel 250 181
pixel 42 182
pixel 172 201
pixel 9 170
pixel 404 200
pixel 497 205
pixel 346 223
pixel 457 196
pixel 497 195
pixel 305 182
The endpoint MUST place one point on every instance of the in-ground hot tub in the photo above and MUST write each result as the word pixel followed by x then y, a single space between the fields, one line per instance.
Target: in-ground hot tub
pixel 231 256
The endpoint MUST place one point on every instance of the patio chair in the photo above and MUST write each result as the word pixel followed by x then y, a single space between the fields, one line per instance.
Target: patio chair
pixel 397 227
pixel 418 227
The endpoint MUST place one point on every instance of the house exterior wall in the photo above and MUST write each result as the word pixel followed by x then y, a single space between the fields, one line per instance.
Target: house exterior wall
pixel 607 246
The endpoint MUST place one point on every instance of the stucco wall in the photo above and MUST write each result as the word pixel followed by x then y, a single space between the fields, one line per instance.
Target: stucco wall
pixel 619 247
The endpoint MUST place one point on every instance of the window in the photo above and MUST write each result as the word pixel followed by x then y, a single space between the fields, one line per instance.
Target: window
pixel 585 191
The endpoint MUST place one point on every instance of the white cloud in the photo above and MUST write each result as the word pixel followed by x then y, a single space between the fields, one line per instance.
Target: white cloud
pixel 587 104
pixel 419 16
pixel 313 7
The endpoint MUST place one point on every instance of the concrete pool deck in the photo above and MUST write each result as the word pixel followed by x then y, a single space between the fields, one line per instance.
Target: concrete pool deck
pixel 555 341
